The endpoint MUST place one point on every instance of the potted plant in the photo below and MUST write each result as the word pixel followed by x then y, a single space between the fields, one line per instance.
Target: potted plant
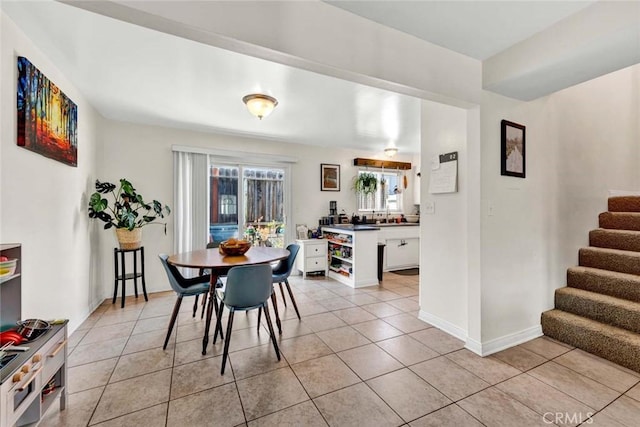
pixel 365 183
pixel 127 212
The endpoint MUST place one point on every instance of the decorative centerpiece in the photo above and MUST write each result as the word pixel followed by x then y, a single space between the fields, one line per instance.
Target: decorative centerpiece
pixel 127 213
pixel 234 247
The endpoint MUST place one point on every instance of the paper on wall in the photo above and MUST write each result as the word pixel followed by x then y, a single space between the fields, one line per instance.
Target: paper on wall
pixel 444 178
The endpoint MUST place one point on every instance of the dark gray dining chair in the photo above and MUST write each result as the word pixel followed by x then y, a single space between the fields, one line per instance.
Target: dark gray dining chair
pixel 247 288
pixel 184 288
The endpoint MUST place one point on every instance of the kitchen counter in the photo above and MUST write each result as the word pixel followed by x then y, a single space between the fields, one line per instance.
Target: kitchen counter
pixel 354 227
pixel 367 227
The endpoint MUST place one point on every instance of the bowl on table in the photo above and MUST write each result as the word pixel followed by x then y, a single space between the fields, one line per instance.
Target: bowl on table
pixel 234 247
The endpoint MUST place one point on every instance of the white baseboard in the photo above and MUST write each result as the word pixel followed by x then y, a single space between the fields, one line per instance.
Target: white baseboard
pixel 482 348
pixel 504 342
pixel 73 325
pixel 474 346
pixel 444 325
pixel 614 193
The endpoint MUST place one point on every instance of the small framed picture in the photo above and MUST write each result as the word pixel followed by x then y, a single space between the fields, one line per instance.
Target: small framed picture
pixel 512 149
pixel 329 177
pixel 302 232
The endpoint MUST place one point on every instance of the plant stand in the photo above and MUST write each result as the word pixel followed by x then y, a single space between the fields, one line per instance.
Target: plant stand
pixel 123 276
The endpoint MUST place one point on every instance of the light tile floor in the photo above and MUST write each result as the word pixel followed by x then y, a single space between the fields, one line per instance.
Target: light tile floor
pixel 357 358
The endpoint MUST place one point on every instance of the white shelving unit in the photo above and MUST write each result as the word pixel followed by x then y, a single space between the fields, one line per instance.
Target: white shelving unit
pixel 352 255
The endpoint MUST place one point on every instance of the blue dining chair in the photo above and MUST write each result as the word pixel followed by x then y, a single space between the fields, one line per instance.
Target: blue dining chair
pixel 248 287
pixel 203 271
pixel 184 288
pixel 280 274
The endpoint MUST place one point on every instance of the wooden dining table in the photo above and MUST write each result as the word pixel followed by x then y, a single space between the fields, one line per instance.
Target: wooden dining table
pixel 220 265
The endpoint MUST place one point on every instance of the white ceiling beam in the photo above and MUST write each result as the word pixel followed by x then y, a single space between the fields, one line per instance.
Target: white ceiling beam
pixel 314 36
pixel 598 40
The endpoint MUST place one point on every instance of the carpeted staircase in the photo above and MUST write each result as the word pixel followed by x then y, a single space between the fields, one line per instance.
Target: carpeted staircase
pixel 599 310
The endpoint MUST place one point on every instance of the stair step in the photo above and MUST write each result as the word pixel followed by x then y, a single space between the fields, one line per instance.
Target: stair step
pixel 610 259
pixel 624 204
pixel 626 240
pixel 620 220
pixel 612 283
pixel 603 308
pixel 593 337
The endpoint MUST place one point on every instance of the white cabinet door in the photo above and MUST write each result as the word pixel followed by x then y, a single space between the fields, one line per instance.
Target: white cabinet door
pixel 316 263
pixel 402 253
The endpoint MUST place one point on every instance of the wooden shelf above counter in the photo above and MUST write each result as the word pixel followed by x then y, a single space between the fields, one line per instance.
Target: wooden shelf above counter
pixel 387 164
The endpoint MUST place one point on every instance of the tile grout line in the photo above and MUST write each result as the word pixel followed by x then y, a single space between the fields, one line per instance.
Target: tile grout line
pixel 376 343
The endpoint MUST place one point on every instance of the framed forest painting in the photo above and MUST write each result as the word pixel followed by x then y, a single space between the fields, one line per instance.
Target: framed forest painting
pixel 47 118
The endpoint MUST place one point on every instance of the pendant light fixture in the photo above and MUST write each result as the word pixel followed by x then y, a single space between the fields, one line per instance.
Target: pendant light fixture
pixel 390 151
pixel 260 105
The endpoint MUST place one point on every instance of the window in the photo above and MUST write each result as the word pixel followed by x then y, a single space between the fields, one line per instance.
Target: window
pixel 388 195
pixel 223 202
pixel 262 204
pixel 220 194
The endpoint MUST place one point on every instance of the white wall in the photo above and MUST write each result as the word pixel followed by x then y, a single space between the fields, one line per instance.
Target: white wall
pixel 518 240
pixel 581 142
pixel 43 202
pixel 143 155
pixel 443 235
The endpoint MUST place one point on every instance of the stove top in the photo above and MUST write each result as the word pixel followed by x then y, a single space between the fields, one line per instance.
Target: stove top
pixel 7 359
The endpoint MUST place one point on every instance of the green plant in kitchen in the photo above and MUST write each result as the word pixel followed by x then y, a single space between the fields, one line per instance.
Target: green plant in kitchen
pixel 127 209
pixel 365 183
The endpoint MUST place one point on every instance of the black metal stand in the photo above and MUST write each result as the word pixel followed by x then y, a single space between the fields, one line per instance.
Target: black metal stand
pixel 122 275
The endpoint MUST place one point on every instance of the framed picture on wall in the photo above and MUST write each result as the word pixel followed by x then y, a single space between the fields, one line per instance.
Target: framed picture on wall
pixel 47 118
pixel 329 177
pixel 512 149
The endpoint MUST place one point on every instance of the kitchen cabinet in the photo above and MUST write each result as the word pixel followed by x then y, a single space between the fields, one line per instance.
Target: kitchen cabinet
pixel 312 257
pixel 402 248
pixel 402 253
pixel 352 254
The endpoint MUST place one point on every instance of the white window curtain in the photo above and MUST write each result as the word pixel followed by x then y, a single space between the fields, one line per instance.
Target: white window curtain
pixel 190 189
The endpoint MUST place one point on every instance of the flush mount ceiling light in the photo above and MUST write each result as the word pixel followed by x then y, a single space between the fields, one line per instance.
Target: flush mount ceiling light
pixel 390 151
pixel 260 105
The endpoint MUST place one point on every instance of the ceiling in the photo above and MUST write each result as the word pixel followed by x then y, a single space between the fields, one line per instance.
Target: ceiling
pixel 134 74
pixel 479 29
